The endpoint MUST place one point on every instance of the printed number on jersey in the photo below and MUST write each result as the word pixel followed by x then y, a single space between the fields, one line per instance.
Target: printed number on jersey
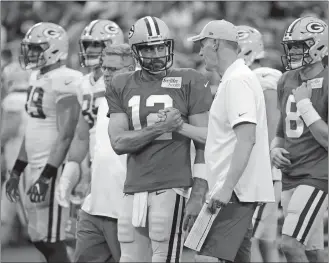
pixel 90 106
pixel 34 102
pixel 135 103
pixel 294 124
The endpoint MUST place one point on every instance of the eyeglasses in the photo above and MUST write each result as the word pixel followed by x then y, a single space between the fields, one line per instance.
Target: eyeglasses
pixel 112 69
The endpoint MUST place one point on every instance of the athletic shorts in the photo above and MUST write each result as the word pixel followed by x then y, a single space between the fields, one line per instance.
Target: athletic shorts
pixel 304 208
pixel 161 240
pixel 229 234
pixel 46 220
pixel 265 218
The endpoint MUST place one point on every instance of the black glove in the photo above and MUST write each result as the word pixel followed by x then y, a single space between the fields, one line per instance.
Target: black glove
pixel 38 190
pixel 12 191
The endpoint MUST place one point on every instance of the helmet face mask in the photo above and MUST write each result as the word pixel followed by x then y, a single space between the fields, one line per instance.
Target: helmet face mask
pixel 95 36
pixel 32 55
pixel 144 53
pixel 305 42
pixel 91 51
pixel 153 48
pixel 44 44
pixel 297 54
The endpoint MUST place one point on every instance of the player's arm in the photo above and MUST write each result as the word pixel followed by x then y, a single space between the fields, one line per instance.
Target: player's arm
pixel 19 166
pixel 197 134
pixel 279 155
pixel 126 141
pixel 272 113
pixel 80 143
pixel 319 130
pixel 76 154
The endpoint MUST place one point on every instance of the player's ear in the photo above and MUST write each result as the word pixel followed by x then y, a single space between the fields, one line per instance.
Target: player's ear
pixel 131 68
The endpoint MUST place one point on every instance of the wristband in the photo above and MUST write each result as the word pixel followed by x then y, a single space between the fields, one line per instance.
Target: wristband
pixel 49 171
pixel 307 112
pixel 200 171
pixel 19 167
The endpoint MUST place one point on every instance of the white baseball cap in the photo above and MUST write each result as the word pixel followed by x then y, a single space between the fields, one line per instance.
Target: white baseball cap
pixel 217 29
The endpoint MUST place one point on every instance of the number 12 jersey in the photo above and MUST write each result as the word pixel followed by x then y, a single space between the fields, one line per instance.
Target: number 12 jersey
pixel 165 162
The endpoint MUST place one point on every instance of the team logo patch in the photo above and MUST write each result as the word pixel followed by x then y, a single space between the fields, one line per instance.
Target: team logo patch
pixel 243 34
pixel 315 83
pixel 111 29
pixel 315 27
pixel 131 31
pixel 52 33
pixel 172 82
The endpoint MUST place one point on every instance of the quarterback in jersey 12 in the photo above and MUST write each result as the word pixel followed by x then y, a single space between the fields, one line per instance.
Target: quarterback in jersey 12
pixel 158 157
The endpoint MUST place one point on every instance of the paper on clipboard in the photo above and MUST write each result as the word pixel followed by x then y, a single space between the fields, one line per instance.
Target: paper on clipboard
pixel 200 229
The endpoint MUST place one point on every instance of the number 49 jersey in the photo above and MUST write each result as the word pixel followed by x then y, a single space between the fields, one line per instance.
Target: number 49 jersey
pixel 90 94
pixel 308 158
pixel 43 94
pixel 165 162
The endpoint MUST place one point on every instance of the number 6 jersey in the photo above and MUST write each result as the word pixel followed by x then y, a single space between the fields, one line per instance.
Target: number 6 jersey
pixel 43 94
pixel 309 160
pixel 165 162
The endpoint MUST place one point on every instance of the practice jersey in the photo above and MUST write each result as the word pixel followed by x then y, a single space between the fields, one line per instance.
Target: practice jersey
pixel 165 162
pixel 309 160
pixel 43 94
pixel 268 78
pixel 90 94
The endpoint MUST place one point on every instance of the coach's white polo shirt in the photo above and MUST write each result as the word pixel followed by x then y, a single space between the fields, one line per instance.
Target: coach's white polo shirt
pixel 108 172
pixel 239 99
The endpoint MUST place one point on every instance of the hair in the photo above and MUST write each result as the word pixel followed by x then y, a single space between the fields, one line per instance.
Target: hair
pixel 122 50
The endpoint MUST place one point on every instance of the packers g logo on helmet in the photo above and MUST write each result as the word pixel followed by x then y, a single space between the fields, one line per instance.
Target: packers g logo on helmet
pixel 111 29
pixel 52 33
pixel 315 27
pixel 243 34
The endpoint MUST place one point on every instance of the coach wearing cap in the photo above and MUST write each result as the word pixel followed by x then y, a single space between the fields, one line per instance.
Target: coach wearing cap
pixel 236 151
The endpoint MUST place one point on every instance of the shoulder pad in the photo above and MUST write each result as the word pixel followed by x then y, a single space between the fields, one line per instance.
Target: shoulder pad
pixel 268 77
pixel 66 80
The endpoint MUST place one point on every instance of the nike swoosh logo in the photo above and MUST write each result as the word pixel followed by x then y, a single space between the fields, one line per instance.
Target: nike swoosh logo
pixel 68 82
pixel 159 192
pixel 205 85
pixel 240 114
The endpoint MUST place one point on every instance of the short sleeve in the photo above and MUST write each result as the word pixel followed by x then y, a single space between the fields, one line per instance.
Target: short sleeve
pixel 200 97
pixel 113 100
pixel 240 102
pixel 279 128
pixel 67 85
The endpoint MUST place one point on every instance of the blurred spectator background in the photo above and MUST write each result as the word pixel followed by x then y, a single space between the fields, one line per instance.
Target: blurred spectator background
pixel 183 18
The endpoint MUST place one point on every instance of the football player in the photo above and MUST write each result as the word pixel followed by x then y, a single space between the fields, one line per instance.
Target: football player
pixel 265 219
pixel 150 225
pixel 300 148
pixel 95 37
pixel 53 112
